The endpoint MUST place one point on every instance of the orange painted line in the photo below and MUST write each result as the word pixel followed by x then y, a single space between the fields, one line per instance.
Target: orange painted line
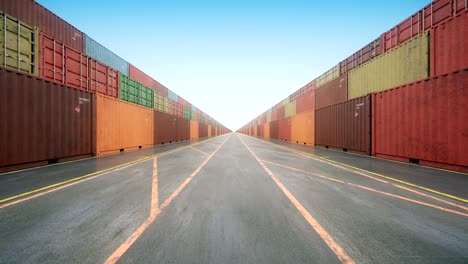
pixel 154 189
pixel 58 188
pixel 119 252
pixel 199 151
pixel 374 190
pixel 332 244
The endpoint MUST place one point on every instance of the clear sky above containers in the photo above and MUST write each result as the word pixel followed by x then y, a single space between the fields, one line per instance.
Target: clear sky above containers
pixel 234 59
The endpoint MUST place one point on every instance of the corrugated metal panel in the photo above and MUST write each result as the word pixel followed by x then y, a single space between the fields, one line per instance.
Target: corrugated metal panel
pixel 42 120
pixel 173 96
pixel 183 129
pixel 135 92
pixel 290 109
pixel 36 15
pixel 161 89
pixel 161 103
pixel 345 126
pixel 209 130
pixel 363 55
pixel 202 130
pixel 328 76
pixel 166 128
pixel 266 130
pixel 193 129
pixel 285 101
pixel 121 125
pixel 449 48
pixel 409 62
pixel 332 93
pixel 284 129
pixel 281 113
pixel 268 116
pixel 101 53
pixel 141 77
pixel 306 102
pixel 302 128
pixel 308 88
pixel 274 115
pixel 425 121
pixel 19 45
pixel 103 79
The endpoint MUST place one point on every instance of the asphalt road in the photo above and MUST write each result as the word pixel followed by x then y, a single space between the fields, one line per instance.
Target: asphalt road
pixel 229 199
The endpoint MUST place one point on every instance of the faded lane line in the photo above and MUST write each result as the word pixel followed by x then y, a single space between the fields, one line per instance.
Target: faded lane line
pixel 284 153
pixel 154 189
pixel 199 151
pixel 370 189
pixel 329 161
pixel 80 179
pixel 119 252
pixel 332 244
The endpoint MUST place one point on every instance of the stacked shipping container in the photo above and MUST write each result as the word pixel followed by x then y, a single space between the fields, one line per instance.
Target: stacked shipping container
pixel 356 109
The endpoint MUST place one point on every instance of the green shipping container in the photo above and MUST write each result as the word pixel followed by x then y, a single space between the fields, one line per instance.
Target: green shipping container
pixel 290 109
pixel 187 113
pixel 135 92
pixel 18 45
pixel 406 63
pixel 328 76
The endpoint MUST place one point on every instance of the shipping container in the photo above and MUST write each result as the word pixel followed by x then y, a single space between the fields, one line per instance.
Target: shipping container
pixel 284 129
pixel 260 131
pixel 161 89
pixel 183 129
pixel 406 63
pixel 328 76
pixel 306 102
pixel 363 55
pixel 302 128
pixel 290 109
pixel 173 96
pixel 332 93
pixel 103 79
pixel 266 130
pixel 429 16
pixel 184 102
pixel 346 126
pixel 308 87
pixel 424 122
pixel 121 126
pixel 449 46
pixel 135 92
pixel 202 130
pixel 161 103
pixel 101 53
pixel 62 64
pixel 38 16
pixel 187 113
pixel 274 115
pixel 268 116
pixel 216 131
pixel 141 77
pixel 209 130
pixel 19 45
pixel 194 129
pixel 281 113
pixel 42 122
pixel 165 128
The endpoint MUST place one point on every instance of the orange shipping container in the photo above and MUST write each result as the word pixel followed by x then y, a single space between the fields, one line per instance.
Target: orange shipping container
pixel 121 125
pixel 302 128
pixel 209 129
pixel 266 130
pixel 193 129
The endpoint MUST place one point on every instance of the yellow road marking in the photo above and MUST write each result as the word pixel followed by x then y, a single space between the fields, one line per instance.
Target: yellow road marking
pixel 370 172
pixel 99 172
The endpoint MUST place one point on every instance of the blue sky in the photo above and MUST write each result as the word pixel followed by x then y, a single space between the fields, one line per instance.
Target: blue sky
pixel 234 59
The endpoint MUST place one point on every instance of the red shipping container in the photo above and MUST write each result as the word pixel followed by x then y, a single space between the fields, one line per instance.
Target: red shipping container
pixel 431 15
pixel 184 102
pixel 345 126
pixel 274 115
pixel 424 122
pixel 449 46
pixel 284 129
pixel 141 77
pixel 165 130
pixel 103 79
pixel 260 131
pixel 161 89
pixel 306 102
pixel 183 129
pixel 281 112
pixel 363 55
pixel 308 87
pixel 332 93
pixel 36 15
pixel 62 64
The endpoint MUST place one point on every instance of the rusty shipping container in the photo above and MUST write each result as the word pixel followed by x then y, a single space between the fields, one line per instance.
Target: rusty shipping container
pixel 274 130
pixel 36 15
pixel 449 46
pixel 345 126
pixel 103 79
pixel 42 122
pixel 424 122
pixel 121 126
pixel 183 129
pixel 284 129
pixel 334 92
pixel 306 102
pixel 429 16
pixel 165 128
pixel 361 56
pixel 141 77
pixel 302 128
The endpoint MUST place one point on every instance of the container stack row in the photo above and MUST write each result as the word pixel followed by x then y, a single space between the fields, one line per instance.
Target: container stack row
pixel 65 96
pixel 401 97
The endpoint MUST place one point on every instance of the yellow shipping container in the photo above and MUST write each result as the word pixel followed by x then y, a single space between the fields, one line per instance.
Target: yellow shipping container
pixel 290 109
pixel 285 101
pixel 407 63
pixel 161 103
pixel 19 47
pixel 328 76
pixel 302 128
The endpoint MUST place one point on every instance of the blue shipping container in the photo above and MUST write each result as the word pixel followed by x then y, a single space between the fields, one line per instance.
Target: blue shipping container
pixel 173 96
pixel 102 54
